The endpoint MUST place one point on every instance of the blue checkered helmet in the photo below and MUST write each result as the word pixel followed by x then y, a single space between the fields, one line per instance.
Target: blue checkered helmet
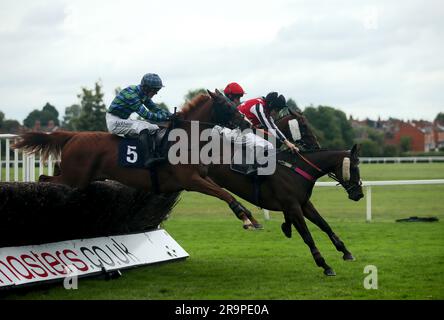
pixel 151 81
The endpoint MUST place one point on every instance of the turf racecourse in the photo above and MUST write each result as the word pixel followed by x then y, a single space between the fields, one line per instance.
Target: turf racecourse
pixel 227 262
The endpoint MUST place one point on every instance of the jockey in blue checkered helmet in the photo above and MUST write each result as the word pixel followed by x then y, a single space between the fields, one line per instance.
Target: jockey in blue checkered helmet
pixel 151 82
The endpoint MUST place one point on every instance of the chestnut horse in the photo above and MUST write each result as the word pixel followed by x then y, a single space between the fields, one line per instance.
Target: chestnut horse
pixel 90 156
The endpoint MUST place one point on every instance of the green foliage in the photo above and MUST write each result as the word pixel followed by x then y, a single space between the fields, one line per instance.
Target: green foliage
pixel 440 118
pixel 331 127
pixel 163 106
pixel 8 125
pixel 390 151
pixel 71 117
pixel 48 113
pixel 369 148
pixel 405 144
pixel 93 109
pixel 192 93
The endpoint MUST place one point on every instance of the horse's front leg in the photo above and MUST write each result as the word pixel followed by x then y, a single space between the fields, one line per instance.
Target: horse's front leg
pixel 199 184
pixel 313 215
pixel 253 220
pixel 295 215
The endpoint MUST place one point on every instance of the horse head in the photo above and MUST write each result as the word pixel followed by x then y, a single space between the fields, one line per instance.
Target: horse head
pixel 295 126
pixel 225 112
pixel 349 176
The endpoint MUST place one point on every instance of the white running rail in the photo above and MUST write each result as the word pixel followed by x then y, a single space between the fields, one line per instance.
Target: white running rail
pixel 367 185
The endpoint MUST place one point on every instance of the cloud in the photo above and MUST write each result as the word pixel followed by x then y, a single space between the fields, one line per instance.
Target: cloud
pixel 377 58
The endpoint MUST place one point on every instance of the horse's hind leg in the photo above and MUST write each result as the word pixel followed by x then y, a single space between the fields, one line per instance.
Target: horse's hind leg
pixel 313 215
pixel 295 215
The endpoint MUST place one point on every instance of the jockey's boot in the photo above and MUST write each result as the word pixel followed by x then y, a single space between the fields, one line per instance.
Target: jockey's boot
pixel 148 143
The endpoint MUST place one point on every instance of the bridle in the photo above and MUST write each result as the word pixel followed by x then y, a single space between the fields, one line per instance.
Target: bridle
pixel 333 176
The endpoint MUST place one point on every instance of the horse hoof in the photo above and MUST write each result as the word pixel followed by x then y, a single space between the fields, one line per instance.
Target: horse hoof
pixel 348 257
pixel 258 226
pixel 329 272
pixel 286 229
pixel 248 227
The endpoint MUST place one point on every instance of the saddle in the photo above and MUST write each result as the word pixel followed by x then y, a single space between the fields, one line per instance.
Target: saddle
pixel 245 168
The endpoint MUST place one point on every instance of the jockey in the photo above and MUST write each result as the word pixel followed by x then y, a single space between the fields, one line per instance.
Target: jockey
pixel 137 99
pixel 260 112
pixel 234 92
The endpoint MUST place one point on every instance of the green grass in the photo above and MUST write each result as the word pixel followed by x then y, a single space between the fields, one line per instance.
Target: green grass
pixel 227 262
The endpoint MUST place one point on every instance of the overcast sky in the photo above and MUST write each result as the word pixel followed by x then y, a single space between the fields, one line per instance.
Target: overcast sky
pixel 367 58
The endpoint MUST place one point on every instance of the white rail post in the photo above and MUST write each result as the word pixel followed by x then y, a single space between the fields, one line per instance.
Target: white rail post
pixel 50 167
pixel 40 164
pixel 16 165
pixel 23 166
pixel 32 169
pixel 369 203
pixel 7 160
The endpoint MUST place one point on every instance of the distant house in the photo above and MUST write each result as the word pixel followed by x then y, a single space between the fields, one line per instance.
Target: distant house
pixel 421 133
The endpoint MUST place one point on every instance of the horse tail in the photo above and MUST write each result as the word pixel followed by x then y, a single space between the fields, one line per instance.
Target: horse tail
pixel 47 144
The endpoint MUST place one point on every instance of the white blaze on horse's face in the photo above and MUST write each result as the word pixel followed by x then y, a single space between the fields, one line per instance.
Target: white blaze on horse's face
pixel 294 129
pixel 346 169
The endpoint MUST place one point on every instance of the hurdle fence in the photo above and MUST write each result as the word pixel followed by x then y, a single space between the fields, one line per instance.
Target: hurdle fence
pixel 28 164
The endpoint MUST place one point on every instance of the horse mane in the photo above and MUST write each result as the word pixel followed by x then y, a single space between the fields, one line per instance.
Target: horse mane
pixel 197 101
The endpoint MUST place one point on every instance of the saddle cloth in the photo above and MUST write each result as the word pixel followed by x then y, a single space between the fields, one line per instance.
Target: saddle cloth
pixel 132 155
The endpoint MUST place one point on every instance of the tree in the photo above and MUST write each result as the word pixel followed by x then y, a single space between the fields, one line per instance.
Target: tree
pixel 440 118
pixel 48 113
pixel 405 143
pixel 331 126
pixel 10 126
pixel 93 109
pixel 71 117
pixel 369 148
pixel 192 93
pixel 163 106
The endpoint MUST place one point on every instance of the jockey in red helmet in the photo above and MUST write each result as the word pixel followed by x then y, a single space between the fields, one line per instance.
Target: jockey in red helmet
pixel 234 92
pixel 260 112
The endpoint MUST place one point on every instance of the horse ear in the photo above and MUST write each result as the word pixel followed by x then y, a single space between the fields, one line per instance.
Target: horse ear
pixel 212 95
pixel 217 92
pixel 355 150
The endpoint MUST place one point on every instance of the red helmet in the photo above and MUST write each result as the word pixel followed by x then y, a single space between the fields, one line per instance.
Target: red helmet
pixel 234 88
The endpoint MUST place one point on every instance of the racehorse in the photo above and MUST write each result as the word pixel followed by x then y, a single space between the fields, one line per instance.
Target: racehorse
pixel 290 187
pixel 91 156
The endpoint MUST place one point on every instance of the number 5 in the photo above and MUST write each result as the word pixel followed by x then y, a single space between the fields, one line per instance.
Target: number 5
pixel 131 154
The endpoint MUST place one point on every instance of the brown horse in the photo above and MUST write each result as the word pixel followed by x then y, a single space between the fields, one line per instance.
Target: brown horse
pixel 290 187
pixel 90 156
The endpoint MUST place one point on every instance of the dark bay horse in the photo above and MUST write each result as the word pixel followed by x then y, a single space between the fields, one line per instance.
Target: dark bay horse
pixel 295 127
pixel 289 190
pixel 90 156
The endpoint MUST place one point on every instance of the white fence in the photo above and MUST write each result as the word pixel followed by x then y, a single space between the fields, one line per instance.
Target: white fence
pixel 367 185
pixel 14 161
pixel 401 159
